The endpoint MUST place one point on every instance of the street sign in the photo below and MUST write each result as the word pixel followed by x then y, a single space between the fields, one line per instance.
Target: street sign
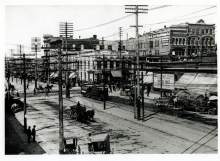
pixel 167 81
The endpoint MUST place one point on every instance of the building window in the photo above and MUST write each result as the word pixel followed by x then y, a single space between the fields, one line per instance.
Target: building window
pixel 111 64
pixel 88 64
pixel 207 31
pixel 151 44
pixel 197 31
pixel 156 52
pixel 156 43
pixel 210 31
pixel 98 65
pixel 180 41
pixel 85 64
pixel 202 31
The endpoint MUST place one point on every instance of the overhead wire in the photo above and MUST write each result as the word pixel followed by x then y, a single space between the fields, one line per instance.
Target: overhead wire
pixel 174 19
pixel 117 19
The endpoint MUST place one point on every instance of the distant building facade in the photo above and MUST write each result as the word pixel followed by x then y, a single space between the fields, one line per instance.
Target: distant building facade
pixel 186 39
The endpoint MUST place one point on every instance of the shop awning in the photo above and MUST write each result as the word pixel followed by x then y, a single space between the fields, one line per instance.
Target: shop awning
pixel 185 80
pixel 204 82
pixel 199 83
pixel 148 78
pixel 72 75
pixel 116 73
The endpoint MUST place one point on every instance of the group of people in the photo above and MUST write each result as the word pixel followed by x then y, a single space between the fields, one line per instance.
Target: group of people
pixel 31 133
pixel 113 87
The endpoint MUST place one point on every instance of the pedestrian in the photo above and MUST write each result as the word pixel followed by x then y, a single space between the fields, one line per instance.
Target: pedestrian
pixel 29 134
pixel 148 89
pixel 175 101
pixel 33 132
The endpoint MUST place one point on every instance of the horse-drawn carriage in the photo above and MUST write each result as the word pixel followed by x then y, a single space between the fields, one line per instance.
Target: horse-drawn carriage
pixel 99 143
pixel 40 88
pixel 79 113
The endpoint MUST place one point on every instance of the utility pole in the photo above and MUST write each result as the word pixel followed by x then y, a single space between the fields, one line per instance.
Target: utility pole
pixel 20 50
pixel 142 95
pixel 120 56
pixel 120 43
pixel 66 30
pixel 58 44
pixel 103 43
pixel 104 95
pixel 161 78
pixel 61 135
pixel 24 79
pixel 24 84
pixel 35 80
pixel 8 62
pixel 35 47
pixel 136 9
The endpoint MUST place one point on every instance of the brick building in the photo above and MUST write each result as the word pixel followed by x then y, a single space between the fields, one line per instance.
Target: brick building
pixel 186 39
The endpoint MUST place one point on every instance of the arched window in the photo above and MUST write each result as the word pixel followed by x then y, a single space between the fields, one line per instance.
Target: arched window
pixel 180 41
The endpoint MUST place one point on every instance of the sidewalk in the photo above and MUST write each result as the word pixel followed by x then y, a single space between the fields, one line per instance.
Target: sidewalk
pixel 16 139
pixel 151 96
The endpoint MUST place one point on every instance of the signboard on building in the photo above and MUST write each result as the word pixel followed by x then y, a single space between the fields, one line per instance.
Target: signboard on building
pixel 167 81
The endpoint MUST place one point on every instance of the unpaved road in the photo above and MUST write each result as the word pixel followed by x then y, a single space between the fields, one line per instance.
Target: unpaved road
pixel 159 134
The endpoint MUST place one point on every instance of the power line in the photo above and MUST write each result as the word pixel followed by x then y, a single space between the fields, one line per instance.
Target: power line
pixel 118 19
pixel 189 14
pixel 162 22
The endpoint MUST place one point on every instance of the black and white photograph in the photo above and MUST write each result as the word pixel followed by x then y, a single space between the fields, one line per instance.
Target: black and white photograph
pixel 127 78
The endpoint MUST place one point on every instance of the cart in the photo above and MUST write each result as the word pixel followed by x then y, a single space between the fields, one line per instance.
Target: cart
pixel 71 145
pixel 79 113
pixel 99 143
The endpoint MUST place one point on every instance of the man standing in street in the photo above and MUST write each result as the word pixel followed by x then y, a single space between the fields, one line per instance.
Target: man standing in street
pixel 33 132
pixel 29 134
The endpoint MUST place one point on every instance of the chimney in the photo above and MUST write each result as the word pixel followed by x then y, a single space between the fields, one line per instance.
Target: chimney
pixel 94 36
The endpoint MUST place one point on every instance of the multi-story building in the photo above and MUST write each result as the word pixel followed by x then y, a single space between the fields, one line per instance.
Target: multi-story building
pixel 200 38
pixel 185 39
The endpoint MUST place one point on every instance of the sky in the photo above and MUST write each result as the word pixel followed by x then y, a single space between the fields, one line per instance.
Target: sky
pixel 22 22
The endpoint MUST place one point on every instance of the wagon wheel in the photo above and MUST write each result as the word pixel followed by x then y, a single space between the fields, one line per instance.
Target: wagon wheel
pixel 69 113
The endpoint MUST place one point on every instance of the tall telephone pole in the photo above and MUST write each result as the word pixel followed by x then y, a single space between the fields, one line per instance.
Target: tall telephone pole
pixel 120 42
pixel 20 50
pixel 24 75
pixel 35 47
pixel 66 31
pixel 136 9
